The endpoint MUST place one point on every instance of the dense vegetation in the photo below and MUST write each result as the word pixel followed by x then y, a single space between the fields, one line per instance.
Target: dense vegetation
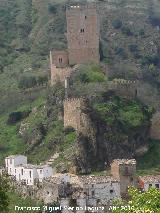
pixel 9 198
pixel 140 202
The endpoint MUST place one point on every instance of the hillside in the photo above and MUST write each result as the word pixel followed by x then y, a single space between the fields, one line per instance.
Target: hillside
pixel 130 49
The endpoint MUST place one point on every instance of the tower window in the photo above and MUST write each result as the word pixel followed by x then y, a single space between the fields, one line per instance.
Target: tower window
pixel 82 30
pixel 60 60
pixel 85 17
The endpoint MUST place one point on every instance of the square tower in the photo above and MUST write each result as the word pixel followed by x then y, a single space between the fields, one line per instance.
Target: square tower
pixel 124 170
pixel 82 34
pixel 60 58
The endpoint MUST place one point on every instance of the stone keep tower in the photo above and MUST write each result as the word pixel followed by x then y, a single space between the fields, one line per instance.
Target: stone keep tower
pixel 124 171
pixel 82 34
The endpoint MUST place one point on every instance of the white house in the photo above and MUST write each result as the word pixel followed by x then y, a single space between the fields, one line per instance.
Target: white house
pixel 18 168
pixel 145 182
pixel 13 161
pixel 44 171
pixel 99 190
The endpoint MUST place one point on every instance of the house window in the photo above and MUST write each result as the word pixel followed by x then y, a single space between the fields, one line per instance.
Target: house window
pixel 11 161
pixel 47 193
pixel 15 170
pixel 22 171
pixel 92 185
pixel 111 191
pixel 30 174
pixel 10 170
pixel 85 17
pixel 150 185
pixel 131 179
pixel 82 30
pixel 157 186
pixel 40 171
pixel 93 193
pixel 126 170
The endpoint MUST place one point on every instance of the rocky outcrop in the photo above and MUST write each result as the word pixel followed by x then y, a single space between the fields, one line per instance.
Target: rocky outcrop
pixel 98 144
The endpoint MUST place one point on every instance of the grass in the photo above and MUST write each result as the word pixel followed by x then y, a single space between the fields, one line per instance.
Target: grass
pixel 10 140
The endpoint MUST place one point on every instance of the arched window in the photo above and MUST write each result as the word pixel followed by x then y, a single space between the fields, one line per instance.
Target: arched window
pixel 60 60
pixel 82 30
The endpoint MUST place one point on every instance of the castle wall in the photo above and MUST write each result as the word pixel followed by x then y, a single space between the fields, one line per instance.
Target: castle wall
pixel 72 112
pixel 126 89
pixel 59 74
pixel 82 34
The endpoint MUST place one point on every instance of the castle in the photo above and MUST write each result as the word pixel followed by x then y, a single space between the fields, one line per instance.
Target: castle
pixel 83 41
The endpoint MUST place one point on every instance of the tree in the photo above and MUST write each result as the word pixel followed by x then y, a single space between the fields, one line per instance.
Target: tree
pixel 141 202
pixel 4 188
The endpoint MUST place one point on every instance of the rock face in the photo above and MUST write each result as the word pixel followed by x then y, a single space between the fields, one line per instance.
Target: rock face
pixel 155 126
pixel 98 144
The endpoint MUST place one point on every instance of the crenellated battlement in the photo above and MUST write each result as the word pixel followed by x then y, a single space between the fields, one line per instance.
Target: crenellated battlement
pixel 82 6
pixel 125 88
pixel 123 81
pixel 80 100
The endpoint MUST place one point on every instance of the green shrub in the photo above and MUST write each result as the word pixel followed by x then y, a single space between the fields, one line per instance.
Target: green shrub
pixel 141 32
pixel 133 48
pixel 27 82
pixel 52 8
pixel 90 73
pixel 15 117
pixel 117 23
pixel 131 115
pixel 128 113
pixel 126 30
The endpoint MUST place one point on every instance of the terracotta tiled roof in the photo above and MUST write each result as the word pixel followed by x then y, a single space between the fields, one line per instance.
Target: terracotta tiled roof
pixel 150 179
pixel 96 179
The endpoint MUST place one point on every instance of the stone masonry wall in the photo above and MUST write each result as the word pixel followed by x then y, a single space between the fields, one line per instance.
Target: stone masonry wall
pixel 155 126
pixel 82 34
pixel 72 112
pixel 59 74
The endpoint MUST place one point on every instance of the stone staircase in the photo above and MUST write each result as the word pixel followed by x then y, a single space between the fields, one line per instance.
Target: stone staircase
pixel 52 158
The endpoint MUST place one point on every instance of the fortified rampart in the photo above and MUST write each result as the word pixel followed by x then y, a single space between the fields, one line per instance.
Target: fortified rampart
pixel 124 88
pixel 60 74
pixel 73 110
